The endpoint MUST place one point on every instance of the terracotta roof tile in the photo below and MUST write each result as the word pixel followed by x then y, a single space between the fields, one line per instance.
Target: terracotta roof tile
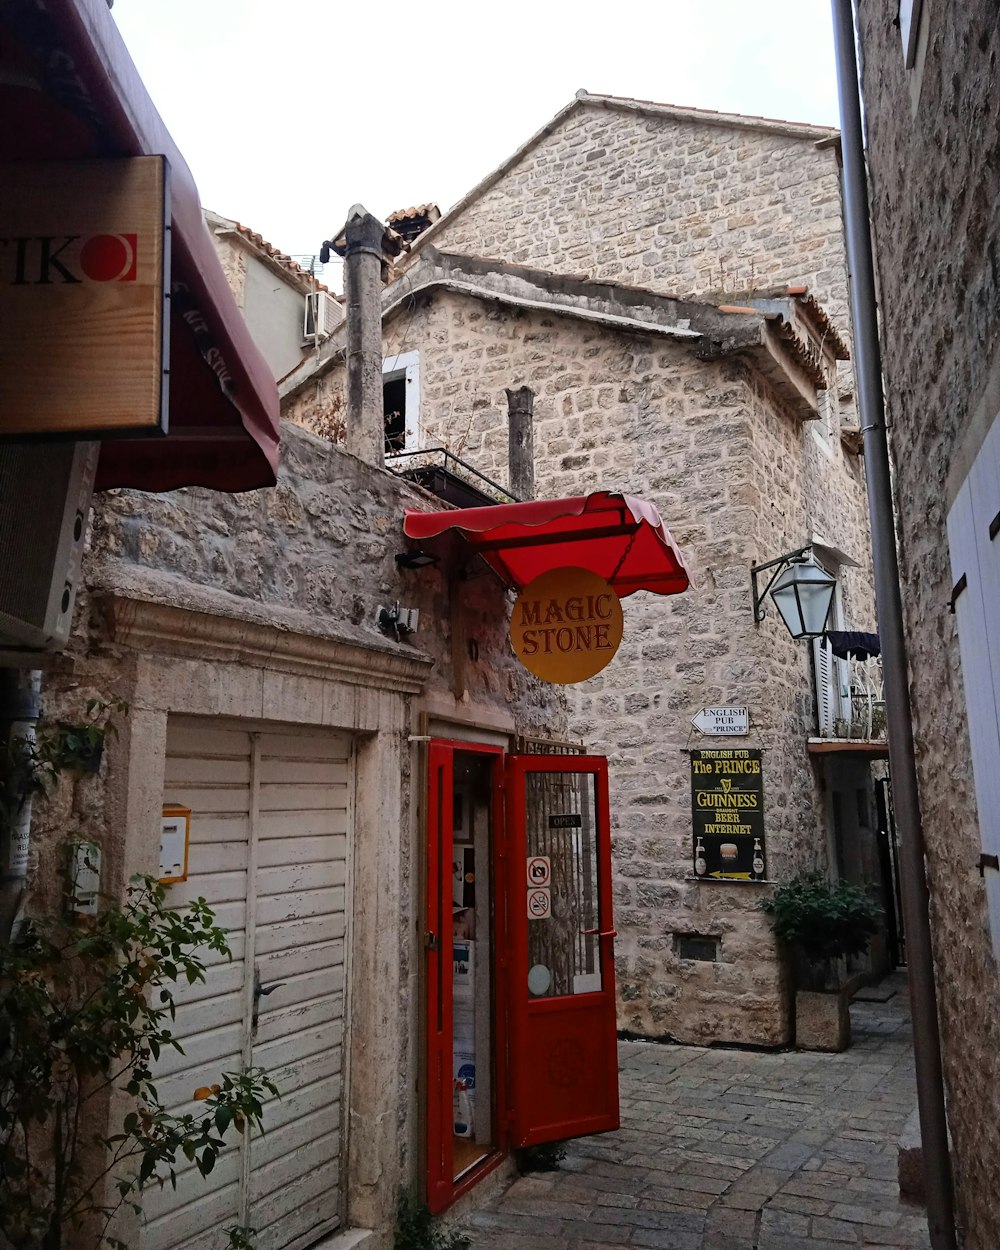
pixel 416 210
pixel 280 257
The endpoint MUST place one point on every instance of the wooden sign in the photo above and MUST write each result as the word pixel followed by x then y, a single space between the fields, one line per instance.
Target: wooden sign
pixel 723 722
pixel 727 803
pixel 83 319
pixel 566 625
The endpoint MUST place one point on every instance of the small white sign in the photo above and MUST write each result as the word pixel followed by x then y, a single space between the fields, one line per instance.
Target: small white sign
pixel 539 904
pixel 539 870
pixel 721 722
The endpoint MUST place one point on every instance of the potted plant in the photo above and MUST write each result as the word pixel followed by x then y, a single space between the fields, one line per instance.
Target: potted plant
pixel 820 923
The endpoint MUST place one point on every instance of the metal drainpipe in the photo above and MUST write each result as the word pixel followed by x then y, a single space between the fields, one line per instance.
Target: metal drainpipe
pixel 19 707
pixel 902 764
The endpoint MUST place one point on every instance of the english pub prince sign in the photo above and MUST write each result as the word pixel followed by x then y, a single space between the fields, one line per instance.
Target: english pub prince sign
pixel 84 261
pixel 727 803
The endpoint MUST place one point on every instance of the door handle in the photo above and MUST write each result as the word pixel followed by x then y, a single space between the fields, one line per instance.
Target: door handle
pixel 600 932
pixel 262 991
pixel 430 941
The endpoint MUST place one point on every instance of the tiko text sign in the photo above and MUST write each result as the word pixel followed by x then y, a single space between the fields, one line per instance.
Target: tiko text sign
pixel 84 265
pixel 727 805
pixel 566 625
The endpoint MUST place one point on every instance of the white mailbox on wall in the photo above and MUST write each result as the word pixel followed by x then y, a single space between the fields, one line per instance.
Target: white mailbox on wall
pixel 174 833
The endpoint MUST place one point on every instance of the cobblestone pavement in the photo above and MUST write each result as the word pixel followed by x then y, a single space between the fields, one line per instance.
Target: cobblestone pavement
pixel 734 1150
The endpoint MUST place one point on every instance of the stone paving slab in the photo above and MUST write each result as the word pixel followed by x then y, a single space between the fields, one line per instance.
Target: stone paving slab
pixel 734 1150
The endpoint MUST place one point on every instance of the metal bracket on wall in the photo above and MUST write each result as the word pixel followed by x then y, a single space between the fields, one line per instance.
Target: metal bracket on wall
pixel 988 861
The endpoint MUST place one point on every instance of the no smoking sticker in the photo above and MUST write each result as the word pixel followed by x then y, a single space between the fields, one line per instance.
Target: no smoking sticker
pixel 539 904
pixel 539 870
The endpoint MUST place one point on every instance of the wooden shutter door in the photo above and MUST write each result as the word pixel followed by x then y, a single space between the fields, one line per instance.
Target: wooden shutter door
pixel 268 853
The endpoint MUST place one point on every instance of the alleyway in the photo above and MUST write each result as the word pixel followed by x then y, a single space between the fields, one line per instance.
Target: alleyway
pixel 734 1150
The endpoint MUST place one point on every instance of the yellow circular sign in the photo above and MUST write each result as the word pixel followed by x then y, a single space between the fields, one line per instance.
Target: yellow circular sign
pixel 566 625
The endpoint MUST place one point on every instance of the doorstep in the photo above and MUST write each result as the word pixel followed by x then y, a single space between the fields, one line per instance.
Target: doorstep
pixel 349 1239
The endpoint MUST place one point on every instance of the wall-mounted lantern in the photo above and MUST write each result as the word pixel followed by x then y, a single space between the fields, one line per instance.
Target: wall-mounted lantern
pixel 415 558
pixel 802 592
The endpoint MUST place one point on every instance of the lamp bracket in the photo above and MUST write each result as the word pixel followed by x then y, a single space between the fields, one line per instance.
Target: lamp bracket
pixel 778 564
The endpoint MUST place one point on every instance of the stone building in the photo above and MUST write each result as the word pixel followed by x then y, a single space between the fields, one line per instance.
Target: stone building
pixel 670 283
pixel 933 133
pixel 242 632
pixel 287 319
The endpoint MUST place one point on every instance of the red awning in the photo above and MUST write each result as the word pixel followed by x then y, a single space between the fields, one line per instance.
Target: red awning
pixel 69 90
pixel 619 537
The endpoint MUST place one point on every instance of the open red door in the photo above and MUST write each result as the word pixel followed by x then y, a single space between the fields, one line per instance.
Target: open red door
pixel 438 945
pixel 563 1050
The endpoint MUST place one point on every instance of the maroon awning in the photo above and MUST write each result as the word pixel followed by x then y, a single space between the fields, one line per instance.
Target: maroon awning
pixel 619 537
pixel 68 90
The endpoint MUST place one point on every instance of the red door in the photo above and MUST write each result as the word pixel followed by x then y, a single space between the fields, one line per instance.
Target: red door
pixel 438 945
pixel 464 939
pixel 562 1048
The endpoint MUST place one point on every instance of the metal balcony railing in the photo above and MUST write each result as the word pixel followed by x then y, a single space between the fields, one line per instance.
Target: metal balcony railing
pixel 448 477
pixel 850 698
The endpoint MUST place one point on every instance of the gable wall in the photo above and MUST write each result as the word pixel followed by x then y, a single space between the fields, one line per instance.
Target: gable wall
pixel 682 208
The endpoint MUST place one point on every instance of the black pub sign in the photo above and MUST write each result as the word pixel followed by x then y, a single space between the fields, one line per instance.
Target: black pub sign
pixel 727 805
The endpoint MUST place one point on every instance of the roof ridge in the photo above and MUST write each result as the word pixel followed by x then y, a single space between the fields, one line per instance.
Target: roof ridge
pixel 695 111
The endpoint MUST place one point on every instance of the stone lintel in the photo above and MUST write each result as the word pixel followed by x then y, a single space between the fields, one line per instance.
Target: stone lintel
pixel 207 627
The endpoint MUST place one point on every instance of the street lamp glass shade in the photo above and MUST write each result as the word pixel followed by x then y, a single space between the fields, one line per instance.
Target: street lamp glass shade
pixel 803 594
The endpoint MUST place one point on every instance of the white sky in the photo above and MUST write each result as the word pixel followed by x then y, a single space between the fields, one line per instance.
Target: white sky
pixel 290 111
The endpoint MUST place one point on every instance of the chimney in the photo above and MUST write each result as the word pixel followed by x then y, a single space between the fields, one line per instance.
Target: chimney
pixel 366 246
pixel 411 222
pixel 521 443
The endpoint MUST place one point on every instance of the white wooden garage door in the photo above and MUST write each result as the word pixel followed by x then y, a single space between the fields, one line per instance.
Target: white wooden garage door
pixel 268 848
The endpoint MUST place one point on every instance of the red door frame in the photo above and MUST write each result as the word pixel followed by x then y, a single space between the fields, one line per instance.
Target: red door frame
pixel 442 1190
pixel 563 1051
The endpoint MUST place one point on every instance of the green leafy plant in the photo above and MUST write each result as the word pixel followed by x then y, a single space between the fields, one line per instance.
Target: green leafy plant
pixel 86 1007
pixel 241 1237
pixel 31 766
pixel 822 921
pixel 416 1228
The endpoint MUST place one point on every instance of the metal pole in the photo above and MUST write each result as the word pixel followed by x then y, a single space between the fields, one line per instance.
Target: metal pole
pixel 902 765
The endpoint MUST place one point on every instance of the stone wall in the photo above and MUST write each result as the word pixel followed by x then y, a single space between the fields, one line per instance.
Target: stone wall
pixel 321 543
pixel 934 154
pixel 736 479
pixel 681 206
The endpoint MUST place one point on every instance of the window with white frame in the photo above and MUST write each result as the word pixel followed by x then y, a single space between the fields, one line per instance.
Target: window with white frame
pixel 401 402
pixel 974 546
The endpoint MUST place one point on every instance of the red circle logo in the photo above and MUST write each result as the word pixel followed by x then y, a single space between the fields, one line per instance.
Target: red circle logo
pixel 109 257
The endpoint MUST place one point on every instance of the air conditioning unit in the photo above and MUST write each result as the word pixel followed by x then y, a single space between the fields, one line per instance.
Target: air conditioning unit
pixel 322 316
pixel 45 491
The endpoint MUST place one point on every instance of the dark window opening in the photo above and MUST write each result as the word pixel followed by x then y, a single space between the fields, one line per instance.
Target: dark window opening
pixel 697 946
pixel 394 407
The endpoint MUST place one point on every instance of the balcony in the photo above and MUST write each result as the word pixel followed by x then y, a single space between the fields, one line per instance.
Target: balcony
pixel 449 478
pixel 850 703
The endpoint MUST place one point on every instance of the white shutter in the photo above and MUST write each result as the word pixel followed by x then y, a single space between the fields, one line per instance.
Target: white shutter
pixel 268 853
pixel 826 675
pixel 975 555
